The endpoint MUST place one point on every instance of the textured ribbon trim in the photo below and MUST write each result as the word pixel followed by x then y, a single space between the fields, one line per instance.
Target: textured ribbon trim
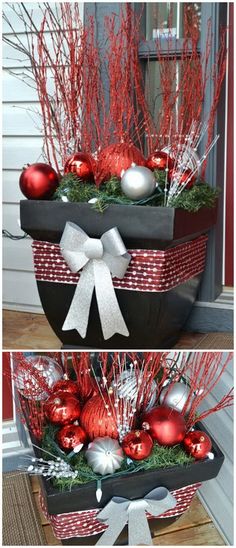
pixel 99 259
pixel 119 511
pixel 149 270
pixel 84 523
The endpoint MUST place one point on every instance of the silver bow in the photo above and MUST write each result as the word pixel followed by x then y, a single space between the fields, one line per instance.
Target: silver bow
pixel 119 511
pixel 99 259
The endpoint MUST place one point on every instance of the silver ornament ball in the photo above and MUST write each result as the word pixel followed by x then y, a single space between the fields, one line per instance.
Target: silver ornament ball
pixel 175 396
pixel 104 455
pixel 138 182
pixel 127 385
pixel 28 383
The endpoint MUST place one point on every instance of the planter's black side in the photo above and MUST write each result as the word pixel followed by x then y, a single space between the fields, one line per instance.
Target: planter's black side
pixel 154 320
pixel 140 227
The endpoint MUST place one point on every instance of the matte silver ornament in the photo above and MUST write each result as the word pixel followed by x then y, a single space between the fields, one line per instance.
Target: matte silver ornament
pixel 104 455
pixel 138 182
pixel 175 396
pixel 129 383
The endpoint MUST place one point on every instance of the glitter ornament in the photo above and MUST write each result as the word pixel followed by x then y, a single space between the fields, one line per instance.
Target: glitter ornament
pixel 71 437
pixel 36 376
pixel 104 455
pixel 98 418
pixel 197 444
pixel 160 160
pixel 116 158
pixel 81 164
pixel 165 425
pixel 66 385
pixel 38 182
pixel 128 386
pixel 138 183
pixel 137 444
pixel 175 396
pixel 62 408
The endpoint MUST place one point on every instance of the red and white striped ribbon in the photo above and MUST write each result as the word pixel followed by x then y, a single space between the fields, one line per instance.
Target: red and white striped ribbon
pixel 84 523
pixel 149 270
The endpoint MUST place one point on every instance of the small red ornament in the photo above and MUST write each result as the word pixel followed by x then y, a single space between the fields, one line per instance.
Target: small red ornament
pixel 165 425
pixel 114 159
pixel 97 418
pixel 81 164
pixel 137 444
pixel 38 182
pixel 62 408
pixel 71 436
pixel 182 177
pixel 159 160
pixel 197 444
pixel 66 385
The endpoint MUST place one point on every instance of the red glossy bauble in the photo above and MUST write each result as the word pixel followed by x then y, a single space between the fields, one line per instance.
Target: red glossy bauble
pixel 71 436
pixel 38 182
pixel 97 420
pixel 114 159
pixel 181 178
pixel 197 444
pixel 165 425
pixel 81 164
pixel 62 408
pixel 66 385
pixel 159 160
pixel 137 444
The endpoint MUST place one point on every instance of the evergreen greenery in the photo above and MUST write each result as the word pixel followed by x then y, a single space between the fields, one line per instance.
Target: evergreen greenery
pixel 72 189
pixel 161 457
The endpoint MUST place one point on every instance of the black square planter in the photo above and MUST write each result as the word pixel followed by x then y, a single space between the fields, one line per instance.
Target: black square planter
pixel 154 319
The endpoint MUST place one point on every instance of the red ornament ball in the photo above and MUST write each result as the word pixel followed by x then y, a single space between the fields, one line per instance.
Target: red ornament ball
pixel 66 385
pixel 71 436
pixel 97 418
pixel 159 160
pixel 197 444
pixel 165 425
pixel 182 177
pixel 38 182
pixel 137 444
pixel 81 164
pixel 114 159
pixel 62 408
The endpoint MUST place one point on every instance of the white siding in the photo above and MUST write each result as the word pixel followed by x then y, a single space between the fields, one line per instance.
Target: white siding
pixel 22 142
pixel 217 495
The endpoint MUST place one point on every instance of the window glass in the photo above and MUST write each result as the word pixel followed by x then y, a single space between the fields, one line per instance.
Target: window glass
pixel 171 17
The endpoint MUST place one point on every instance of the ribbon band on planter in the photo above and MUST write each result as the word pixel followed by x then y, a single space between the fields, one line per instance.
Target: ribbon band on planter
pixel 85 523
pixel 98 259
pixel 119 511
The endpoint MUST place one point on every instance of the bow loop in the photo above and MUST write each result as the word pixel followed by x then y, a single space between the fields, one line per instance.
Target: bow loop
pixel 99 258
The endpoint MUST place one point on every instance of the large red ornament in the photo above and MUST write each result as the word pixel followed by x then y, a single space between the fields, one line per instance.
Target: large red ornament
pixel 159 160
pixel 137 444
pixel 81 164
pixel 182 177
pixel 197 444
pixel 166 425
pixel 114 159
pixel 98 419
pixel 71 436
pixel 38 182
pixel 65 385
pixel 62 408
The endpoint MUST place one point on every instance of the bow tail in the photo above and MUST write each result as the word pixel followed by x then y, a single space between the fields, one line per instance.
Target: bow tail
pixel 112 320
pixel 78 315
pixel 138 528
pixel 116 518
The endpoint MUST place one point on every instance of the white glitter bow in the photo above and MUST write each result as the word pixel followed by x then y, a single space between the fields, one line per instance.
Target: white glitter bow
pixel 100 260
pixel 119 511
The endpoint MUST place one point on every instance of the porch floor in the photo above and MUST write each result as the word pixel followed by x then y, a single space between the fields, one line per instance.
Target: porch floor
pixel 24 330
